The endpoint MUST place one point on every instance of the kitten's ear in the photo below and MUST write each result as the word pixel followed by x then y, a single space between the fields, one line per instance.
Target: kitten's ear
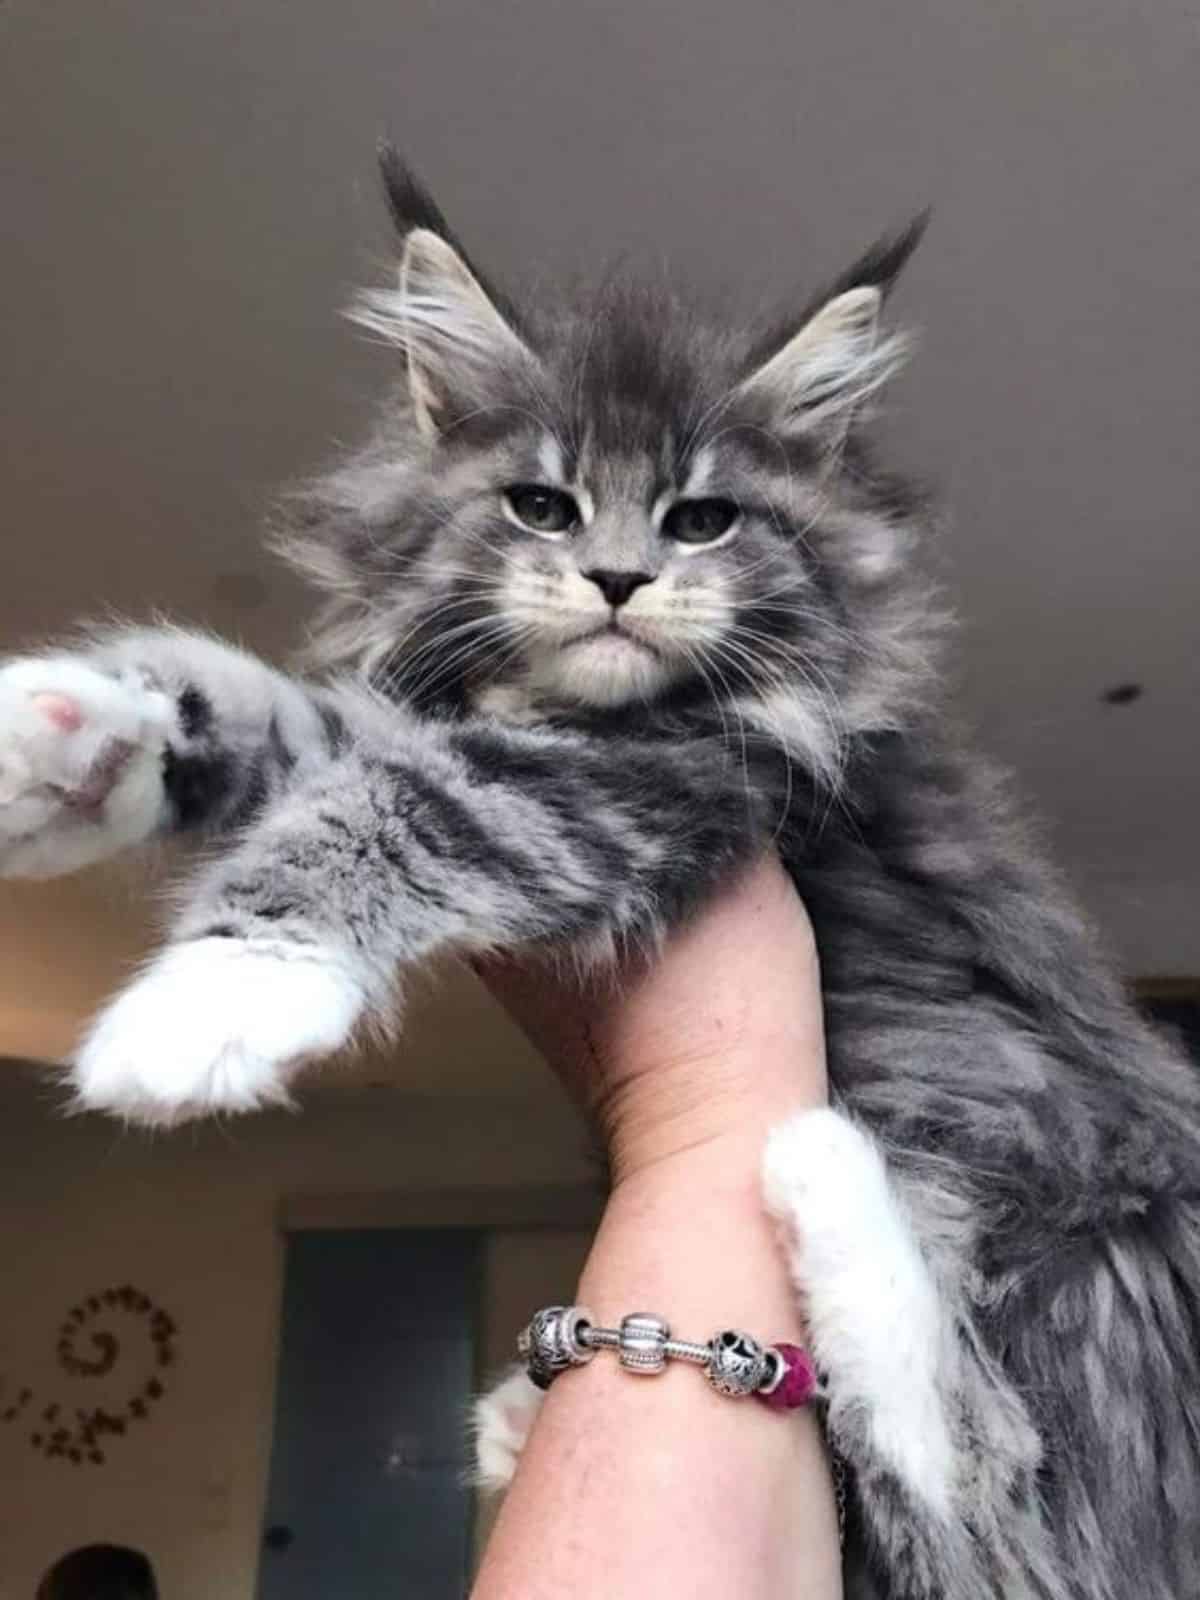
pixel 816 380
pixel 458 337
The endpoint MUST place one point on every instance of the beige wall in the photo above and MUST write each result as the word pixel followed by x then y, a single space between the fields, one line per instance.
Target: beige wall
pixel 193 1219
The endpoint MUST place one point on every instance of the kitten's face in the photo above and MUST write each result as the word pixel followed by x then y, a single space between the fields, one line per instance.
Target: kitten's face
pixel 607 508
pixel 628 575
pixel 613 564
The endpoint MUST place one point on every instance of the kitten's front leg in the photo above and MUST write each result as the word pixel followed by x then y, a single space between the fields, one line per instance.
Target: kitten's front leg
pixel 468 838
pixel 217 1025
pixel 147 731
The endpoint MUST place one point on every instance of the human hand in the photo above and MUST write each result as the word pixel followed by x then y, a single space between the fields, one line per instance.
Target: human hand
pixel 710 1041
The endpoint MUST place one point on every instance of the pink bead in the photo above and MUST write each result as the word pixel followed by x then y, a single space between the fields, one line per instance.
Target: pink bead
pixel 799 1382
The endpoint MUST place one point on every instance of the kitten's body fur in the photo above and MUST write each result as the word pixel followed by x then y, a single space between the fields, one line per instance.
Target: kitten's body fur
pixel 997 1235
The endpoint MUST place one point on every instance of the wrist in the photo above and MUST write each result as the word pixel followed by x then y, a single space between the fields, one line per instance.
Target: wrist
pixel 704 1118
pixel 687 1236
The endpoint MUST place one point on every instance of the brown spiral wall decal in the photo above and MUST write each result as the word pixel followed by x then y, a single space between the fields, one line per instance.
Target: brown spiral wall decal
pixel 90 1346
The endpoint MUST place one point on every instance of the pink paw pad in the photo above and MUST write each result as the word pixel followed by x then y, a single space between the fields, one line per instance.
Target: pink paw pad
pixel 61 710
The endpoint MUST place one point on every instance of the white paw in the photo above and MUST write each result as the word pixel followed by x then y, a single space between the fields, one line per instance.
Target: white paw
pixel 876 1323
pixel 215 1025
pixel 80 765
pixel 825 1181
pixel 502 1423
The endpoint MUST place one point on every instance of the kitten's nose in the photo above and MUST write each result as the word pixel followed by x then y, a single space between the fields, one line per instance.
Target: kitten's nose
pixel 616 587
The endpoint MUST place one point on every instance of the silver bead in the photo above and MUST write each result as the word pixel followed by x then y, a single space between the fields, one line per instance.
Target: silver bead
pixel 737 1363
pixel 551 1342
pixel 642 1343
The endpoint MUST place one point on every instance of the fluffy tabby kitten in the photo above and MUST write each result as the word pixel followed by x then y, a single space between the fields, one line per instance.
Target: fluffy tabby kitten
pixel 615 600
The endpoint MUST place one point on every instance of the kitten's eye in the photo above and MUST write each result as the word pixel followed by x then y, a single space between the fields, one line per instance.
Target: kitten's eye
pixel 542 509
pixel 699 521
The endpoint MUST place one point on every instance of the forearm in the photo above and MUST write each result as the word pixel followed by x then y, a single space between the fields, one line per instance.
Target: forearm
pixel 632 1485
pixel 659 1485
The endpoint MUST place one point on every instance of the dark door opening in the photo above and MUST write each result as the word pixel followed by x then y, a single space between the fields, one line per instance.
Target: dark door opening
pixel 367 1497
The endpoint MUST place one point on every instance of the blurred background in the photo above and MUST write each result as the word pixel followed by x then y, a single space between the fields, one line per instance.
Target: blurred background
pixel 189 196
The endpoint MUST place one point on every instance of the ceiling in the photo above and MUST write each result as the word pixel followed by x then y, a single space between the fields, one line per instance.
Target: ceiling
pixel 189 197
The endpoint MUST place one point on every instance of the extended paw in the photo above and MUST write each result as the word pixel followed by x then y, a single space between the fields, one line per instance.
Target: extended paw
pixel 80 765
pixel 502 1421
pixel 215 1025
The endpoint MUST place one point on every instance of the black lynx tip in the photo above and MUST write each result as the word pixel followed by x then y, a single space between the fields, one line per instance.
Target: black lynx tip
pixel 880 266
pixel 412 207
pixel 409 201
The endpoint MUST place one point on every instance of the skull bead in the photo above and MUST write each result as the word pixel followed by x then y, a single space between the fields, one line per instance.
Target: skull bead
pixel 737 1363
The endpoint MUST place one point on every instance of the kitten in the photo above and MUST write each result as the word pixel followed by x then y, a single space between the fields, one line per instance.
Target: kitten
pixel 615 600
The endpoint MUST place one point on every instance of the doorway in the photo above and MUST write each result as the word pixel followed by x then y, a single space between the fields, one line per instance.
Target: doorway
pixel 367 1496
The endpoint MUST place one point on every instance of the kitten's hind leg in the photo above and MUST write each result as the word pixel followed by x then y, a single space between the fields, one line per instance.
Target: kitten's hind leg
pixel 872 1309
pixel 874 1317
pixel 878 1337
pixel 501 1423
pixel 943 1453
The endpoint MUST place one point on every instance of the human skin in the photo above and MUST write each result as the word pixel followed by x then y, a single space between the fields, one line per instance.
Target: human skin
pixel 631 1485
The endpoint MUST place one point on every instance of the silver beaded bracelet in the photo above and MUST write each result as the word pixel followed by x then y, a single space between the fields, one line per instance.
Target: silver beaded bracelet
pixel 560 1337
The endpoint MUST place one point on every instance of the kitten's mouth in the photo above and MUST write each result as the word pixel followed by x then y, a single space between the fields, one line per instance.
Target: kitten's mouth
pixel 612 632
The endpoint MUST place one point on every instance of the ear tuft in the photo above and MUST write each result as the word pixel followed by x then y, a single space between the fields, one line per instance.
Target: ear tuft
pixel 880 266
pixel 431 265
pixel 828 370
pixel 817 379
pixel 459 346
pixel 412 206
pixel 409 201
